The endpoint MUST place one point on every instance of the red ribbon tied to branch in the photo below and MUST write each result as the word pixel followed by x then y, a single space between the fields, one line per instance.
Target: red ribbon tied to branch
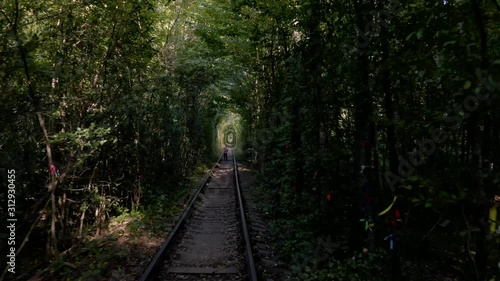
pixel 52 170
pixel 396 218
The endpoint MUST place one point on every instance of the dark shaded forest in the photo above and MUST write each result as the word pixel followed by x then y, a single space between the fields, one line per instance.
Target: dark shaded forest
pixel 374 127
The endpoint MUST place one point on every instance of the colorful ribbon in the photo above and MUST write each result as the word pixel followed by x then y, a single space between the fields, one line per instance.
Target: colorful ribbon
pixel 388 208
pixel 368 223
pixel 396 218
pixel 391 239
pixel 493 219
pixel 52 170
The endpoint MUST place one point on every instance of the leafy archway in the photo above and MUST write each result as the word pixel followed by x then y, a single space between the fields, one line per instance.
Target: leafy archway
pixel 228 130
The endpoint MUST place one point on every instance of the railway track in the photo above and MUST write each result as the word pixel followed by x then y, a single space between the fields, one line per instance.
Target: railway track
pixel 211 240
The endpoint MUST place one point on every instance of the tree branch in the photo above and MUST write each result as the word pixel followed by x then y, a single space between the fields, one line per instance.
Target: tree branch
pixel 36 104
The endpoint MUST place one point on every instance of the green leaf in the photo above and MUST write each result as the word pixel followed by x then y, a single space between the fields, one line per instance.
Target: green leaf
pixel 449 43
pixel 467 84
pixel 420 34
pixel 409 187
pixel 413 178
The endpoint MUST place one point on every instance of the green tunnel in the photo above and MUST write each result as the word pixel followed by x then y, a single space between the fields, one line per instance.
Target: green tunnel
pixel 228 131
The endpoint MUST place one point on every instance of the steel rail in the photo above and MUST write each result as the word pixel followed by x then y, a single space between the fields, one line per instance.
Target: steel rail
pixel 147 275
pixel 252 272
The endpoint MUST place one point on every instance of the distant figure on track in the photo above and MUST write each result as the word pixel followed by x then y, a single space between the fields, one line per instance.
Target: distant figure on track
pixel 225 152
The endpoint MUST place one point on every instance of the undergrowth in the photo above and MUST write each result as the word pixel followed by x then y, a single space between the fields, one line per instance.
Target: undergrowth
pixel 120 251
pixel 311 257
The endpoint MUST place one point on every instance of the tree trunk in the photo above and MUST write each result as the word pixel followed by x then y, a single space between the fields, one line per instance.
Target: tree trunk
pixel 296 140
pixel 481 207
pixel 52 242
pixel 364 139
pixel 495 137
pixel 314 66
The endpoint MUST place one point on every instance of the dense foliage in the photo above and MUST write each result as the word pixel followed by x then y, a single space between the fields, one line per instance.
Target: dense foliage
pixel 371 123
pixel 374 102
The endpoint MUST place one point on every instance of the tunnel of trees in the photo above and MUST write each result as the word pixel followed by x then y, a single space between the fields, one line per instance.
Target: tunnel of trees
pixel 374 126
